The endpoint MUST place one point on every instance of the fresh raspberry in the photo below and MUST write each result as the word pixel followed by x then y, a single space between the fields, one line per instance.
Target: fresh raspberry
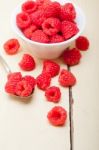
pixel 51 67
pixel 57 116
pixel 43 81
pixel 27 63
pixel 68 12
pixel 43 3
pixel 53 94
pixel 11 46
pixel 72 57
pixel 51 26
pixel 15 77
pixel 23 20
pixel 29 6
pixel 82 43
pixel 23 89
pixel 31 80
pixel 52 10
pixel 66 78
pixel 28 31
pixel 56 38
pixel 69 29
pixel 40 36
pixel 10 87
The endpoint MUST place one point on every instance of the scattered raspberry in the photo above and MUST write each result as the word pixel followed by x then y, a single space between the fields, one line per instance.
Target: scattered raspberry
pixel 29 31
pixel 82 43
pixel 72 57
pixel 43 81
pixel 66 78
pixel 51 26
pixel 10 87
pixel 27 63
pixel 30 80
pixel 68 12
pixel 53 94
pixel 11 46
pixel 23 89
pixel 40 36
pixel 51 67
pixel 57 116
pixel 56 38
pixel 69 29
pixel 15 77
pixel 23 20
pixel 29 6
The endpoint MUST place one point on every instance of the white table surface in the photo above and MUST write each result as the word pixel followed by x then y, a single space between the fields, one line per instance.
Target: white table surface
pixel 24 127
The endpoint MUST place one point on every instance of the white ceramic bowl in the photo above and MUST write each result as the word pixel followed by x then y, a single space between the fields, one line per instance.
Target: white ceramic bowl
pixel 48 51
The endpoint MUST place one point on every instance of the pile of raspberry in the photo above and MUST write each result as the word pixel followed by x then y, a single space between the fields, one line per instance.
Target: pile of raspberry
pixel 45 21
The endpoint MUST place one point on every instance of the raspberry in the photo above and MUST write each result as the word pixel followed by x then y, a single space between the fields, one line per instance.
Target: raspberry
pixel 51 67
pixel 40 36
pixel 57 116
pixel 23 20
pixel 30 80
pixel 27 63
pixel 15 77
pixel 66 78
pixel 51 26
pixel 43 3
pixel 43 81
pixel 56 38
pixel 11 46
pixel 29 6
pixel 23 89
pixel 82 43
pixel 28 31
pixel 68 12
pixel 69 29
pixel 52 10
pixel 72 57
pixel 53 94
pixel 10 87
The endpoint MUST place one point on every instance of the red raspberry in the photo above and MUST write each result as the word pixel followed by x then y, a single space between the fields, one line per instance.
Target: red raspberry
pixel 51 67
pixel 72 57
pixel 43 81
pixel 28 31
pixel 66 78
pixel 40 36
pixel 29 6
pixel 30 80
pixel 11 46
pixel 53 94
pixel 69 29
pixel 15 77
pixel 57 116
pixel 43 3
pixel 23 20
pixel 56 38
pixel 82 43
pixel 68 12
pixel 27 63
pixel 10 87
pixel 51 26
pixel 23 89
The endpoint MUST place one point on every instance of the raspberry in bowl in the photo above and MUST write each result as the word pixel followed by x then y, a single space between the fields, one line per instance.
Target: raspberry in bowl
pixel 49 27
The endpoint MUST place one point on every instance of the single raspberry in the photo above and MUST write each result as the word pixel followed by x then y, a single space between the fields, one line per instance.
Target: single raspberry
pixel 57 116
pixel 43 3
pixel 23 89
pixel 56 38
pixel 69 29
pixel 23 20
pixel 10 87
pixel 31 80
pixel 72 57
pixel 51 67
pixel 53 94
pixel 14 77
pixel 11 46
pixel 28 31
pixel 82 43
pixel 68 12
pixel 29 6
pixel 66 78
pixel 40 36
pixel 27 63
pixel 51 26
pixel 43 81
